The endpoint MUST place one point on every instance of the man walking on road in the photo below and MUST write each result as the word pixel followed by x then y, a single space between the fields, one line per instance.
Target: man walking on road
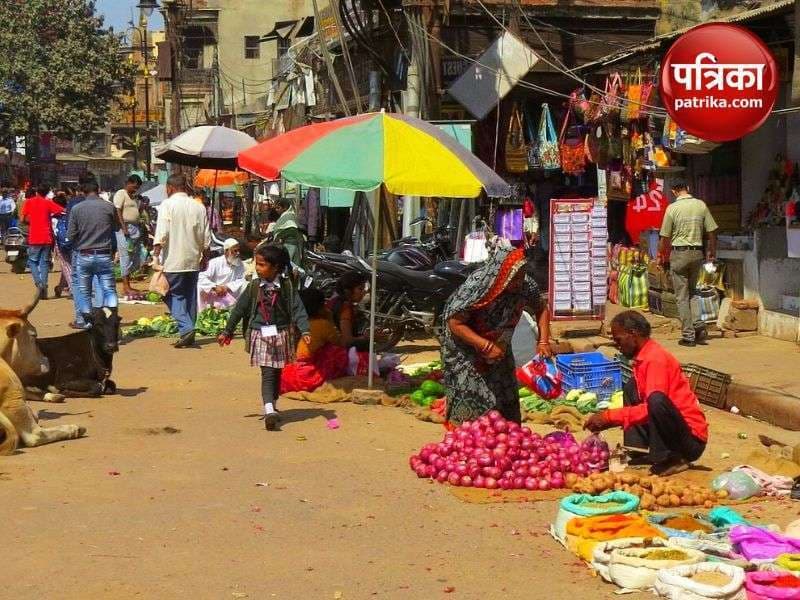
pixel 181 244
pixel 7 208
pixel 685 223
pixel 37 212
pixel 91 230
pixel 128 212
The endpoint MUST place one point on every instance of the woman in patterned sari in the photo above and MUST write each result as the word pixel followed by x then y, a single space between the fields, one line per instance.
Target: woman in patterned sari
pixel 481 317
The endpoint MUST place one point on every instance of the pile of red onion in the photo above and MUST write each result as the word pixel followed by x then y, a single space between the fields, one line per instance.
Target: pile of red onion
pixel 493 453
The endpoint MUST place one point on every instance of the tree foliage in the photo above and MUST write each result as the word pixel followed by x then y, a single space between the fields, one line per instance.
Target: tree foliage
pixel 59 67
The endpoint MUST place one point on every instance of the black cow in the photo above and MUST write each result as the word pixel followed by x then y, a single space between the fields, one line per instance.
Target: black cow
pixel 80 363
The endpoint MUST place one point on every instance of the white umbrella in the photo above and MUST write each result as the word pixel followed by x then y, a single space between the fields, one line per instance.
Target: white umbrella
pixel 207 147
pixel 156 194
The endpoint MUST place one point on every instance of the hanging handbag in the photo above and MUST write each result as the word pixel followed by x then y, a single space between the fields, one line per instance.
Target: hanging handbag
pixel 516 150
pixel 533 148
pixel 633 98
pixel 572 150
pixel 597 146
pixel 547 143
pixel 611 98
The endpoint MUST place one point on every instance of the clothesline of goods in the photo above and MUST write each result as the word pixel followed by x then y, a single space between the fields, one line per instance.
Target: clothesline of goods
pixel 618 130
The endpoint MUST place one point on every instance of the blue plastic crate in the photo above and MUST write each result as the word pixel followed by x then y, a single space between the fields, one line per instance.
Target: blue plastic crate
pixel 590 371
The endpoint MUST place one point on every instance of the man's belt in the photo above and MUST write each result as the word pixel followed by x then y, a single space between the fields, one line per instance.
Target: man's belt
pixel 94 251
pixel 687 247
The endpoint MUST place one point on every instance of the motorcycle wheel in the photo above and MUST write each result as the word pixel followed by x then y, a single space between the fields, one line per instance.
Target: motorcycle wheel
pixel 387 333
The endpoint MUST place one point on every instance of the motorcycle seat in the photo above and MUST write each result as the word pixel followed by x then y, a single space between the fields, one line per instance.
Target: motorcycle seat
pixel 417 279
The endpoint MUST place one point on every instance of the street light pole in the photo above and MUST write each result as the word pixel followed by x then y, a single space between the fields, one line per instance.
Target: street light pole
pixel 148 156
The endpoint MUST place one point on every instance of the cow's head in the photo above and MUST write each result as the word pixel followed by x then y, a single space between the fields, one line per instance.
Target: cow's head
pixel 105 328
pixel 18 342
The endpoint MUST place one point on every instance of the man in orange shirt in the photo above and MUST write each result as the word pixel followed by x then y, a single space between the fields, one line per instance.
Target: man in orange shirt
pixel 660 412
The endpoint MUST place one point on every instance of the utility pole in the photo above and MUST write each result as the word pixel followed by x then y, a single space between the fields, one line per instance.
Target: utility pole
pixel 173 25
pixel 217 89
pixel 329 61
pixel 147 140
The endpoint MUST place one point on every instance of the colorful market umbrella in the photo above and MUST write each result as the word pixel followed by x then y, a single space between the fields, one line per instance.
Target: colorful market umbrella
pixel 206 146
pixel 210 178
pixel 409 156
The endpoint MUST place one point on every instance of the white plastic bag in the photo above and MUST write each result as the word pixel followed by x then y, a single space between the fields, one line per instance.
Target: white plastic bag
pixel 738 484
pixel 676 583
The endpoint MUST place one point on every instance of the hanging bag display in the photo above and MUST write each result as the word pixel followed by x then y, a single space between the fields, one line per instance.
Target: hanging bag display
pixel 633 98
pixel 633 286
pixel 572 150
pixel 516 150
pixel 611 99
pixel 597 147
pixel 533 148
pixel 547 142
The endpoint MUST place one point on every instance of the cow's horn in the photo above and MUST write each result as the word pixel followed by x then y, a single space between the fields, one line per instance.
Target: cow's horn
pixel 28 309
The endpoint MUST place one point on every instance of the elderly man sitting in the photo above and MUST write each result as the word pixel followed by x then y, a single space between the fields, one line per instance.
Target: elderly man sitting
pixel 221 283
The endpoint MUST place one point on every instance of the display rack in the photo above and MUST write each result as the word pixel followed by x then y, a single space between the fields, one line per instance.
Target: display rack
pixel 578 264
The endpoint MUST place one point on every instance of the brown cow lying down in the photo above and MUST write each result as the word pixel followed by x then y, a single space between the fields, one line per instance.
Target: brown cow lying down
pixel 18 424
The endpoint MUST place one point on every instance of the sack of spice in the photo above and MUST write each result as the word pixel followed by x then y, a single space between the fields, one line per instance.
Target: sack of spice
pixel 601 556
pixel 637 568
pixel 586 505
pixel 770 585
pixel 701 582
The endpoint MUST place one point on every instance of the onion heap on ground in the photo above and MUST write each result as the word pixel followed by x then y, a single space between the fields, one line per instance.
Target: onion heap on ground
pixel 492 452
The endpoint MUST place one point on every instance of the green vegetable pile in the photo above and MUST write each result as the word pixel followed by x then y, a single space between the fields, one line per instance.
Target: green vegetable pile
pixel 161 326
pixel 153 297
pixel 429 391
pixel 426 370
pixel 584 402
pixel 212 321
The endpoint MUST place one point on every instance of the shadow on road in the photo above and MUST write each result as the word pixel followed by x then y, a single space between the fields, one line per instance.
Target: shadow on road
pixel 131 392
pixel 51 415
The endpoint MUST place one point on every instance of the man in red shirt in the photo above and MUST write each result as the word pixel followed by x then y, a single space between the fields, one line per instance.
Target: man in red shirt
pixel 37 212
pixel 660 411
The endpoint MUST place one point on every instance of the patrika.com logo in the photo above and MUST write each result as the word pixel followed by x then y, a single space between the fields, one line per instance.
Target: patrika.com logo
pixel 719 82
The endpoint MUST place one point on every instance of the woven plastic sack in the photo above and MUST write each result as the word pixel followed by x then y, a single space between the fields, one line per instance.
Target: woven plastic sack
pixel 601 555
pixel 759 586
pixel 676 583
pixel 572 506
pixel 584 533
pixel 630 570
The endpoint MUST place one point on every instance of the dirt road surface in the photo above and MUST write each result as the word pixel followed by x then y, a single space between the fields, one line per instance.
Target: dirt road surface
pixel 178 492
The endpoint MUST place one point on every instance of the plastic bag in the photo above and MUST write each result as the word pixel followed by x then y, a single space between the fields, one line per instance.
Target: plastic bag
pixel 542 376
pixel 563 438
pixel 677 583
pixel 755 543
pixel 739 485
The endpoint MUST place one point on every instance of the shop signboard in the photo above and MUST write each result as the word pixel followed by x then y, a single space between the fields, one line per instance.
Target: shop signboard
pixel 495 73
pixel 453 67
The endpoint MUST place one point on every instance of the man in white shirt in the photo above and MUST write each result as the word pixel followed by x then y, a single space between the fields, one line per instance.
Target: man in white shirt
pixel 220 285
pixel 7 208
pixel 181 245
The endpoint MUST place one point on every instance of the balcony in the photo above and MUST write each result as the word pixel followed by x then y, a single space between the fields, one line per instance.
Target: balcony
pixel 197 76
pixel 281 66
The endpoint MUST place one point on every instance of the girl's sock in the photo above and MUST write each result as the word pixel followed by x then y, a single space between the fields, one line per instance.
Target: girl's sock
pixel 269 408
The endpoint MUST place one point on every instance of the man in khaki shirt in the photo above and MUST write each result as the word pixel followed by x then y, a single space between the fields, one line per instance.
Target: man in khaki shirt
pixel 128 213
pixel 686 222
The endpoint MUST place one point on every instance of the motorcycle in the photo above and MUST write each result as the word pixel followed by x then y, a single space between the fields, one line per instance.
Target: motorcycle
pixel 16 249
pixel 420 255
pixel 411 300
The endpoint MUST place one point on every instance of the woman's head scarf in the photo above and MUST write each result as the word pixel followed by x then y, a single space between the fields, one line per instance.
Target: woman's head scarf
pixel 488 282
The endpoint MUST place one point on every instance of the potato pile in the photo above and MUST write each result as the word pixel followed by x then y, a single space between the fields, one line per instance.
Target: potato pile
pixel 654 492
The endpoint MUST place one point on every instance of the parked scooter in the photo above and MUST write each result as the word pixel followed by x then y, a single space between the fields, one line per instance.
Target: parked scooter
pixel 16 249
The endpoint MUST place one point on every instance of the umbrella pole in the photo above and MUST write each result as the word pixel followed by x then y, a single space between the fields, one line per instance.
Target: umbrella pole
pixel 373 288
pixel 213 195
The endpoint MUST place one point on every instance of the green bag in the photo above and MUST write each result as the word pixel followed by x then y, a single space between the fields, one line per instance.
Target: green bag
pixel 633 286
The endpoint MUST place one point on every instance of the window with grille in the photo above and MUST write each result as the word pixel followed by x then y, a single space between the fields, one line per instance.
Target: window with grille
pixel 252 46
pixel 283 46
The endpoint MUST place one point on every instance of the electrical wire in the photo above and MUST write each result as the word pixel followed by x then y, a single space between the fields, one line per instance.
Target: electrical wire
pixel 394 31
pixel 563 70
